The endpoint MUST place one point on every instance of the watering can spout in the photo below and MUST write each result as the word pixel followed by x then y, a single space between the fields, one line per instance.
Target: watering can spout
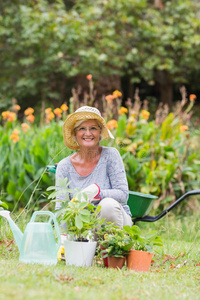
pixel 18 235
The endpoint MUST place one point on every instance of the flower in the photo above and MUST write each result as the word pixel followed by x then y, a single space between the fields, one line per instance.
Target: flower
pixel 30 118
pixel 193 97
pixel 50 116
pixel 48 110
pixel 112 124
pixel 9 116
pixel 5 114
pixel 16 107
pixel 29 111
pixel 109 98
pixel 58 112
pixel 25 127
pixel 64 107
pixel 183 128
pixel 15 135
pixel 89 77
pixel 116 94
pixel 16 131
pixel 123 110
pixel 145 114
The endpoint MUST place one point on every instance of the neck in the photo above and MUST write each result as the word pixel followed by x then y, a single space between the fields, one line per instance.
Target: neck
pixel 89 153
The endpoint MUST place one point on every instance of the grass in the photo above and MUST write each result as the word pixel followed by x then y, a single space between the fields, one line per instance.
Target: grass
pixel 174 273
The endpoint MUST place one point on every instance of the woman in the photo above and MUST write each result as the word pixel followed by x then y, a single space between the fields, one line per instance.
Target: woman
pixel 93 163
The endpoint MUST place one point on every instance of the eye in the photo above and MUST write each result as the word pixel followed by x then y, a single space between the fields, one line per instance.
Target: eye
pixel 81 129
pixel 94 128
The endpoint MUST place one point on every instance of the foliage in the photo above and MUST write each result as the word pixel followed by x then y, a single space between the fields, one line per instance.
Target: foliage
pixel 43 44
pixel 141 241
pixel 81 218
pixel 118 243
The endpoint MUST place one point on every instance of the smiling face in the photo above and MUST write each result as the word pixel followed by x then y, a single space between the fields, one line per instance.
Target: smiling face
pixel 88 134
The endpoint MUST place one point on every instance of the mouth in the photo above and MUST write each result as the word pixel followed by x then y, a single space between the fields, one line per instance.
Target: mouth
pixel 88 140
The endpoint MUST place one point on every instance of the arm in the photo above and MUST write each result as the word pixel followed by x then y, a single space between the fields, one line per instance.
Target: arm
pixel 117 176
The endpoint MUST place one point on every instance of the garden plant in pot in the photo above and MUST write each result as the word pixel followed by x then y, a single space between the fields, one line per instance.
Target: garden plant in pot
pixel 79 220
pixel 115 245
pixel 140 255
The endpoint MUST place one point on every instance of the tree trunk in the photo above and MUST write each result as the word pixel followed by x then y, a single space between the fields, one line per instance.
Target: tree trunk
pixel 165 86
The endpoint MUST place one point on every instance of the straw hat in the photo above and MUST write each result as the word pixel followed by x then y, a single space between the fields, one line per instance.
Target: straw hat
pixel 83 113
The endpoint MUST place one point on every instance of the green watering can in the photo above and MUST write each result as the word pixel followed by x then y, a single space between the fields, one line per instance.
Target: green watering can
pixel 38 243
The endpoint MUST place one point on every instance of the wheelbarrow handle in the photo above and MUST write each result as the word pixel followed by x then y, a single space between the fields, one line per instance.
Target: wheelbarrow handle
pixel 162 214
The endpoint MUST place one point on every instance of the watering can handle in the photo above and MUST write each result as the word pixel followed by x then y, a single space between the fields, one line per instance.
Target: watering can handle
pixel 52 218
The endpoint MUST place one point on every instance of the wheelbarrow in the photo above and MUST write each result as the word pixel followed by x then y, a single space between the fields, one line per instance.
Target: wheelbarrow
pixel 141 204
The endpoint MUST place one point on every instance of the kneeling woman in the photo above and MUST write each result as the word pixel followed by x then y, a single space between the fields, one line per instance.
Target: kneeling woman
pixel 93 163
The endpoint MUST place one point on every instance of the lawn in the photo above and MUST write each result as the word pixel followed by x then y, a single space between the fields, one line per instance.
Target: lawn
pixel 174 273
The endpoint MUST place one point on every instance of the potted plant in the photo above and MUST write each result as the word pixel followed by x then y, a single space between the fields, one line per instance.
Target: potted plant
pixel 115 245
pixel 79 220
pixel 140 255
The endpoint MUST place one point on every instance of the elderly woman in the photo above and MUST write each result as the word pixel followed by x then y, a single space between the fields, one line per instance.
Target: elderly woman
pixel 97 164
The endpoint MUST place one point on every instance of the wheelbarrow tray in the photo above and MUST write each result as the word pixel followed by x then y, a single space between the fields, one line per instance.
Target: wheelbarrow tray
pixel 140 204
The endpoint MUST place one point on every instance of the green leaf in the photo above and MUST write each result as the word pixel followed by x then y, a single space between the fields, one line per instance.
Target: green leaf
pixel 78 222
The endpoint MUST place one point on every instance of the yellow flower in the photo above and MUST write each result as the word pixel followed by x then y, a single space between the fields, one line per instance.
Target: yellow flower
pixel 130 129
pixel 116 94
pixel 29 111
pixel 112 124
pixel 123 110
pixel 64 107
pixel 145 114
pixel 183 128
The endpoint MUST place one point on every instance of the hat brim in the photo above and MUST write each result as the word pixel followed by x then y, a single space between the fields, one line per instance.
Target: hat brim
pixel 68 127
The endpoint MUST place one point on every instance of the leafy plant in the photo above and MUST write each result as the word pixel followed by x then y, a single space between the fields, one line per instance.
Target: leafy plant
pixel 143 242
pixel 80 218
pixel 118 243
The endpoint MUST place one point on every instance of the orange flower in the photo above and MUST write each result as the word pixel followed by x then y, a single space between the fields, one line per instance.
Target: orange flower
pixel 25 127
pixel 193 97
pixel 5 114
pixel 48 110
pixel 15 135
pixel 58 112
pixel 11 117
pixel 89 77
pixel 29 111
pixel 123 110
pixel 16 131
pixel 16 107
pixel 145 114
pixel 50 116
pixel 30 118
pixel 183 128
pixel 116 94
pixel 109 98
pixel 64 107
pixel 112 124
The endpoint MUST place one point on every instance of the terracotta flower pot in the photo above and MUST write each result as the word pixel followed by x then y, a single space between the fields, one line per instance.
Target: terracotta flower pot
pixel 116 262
pixel 105 260
pixel 139 260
